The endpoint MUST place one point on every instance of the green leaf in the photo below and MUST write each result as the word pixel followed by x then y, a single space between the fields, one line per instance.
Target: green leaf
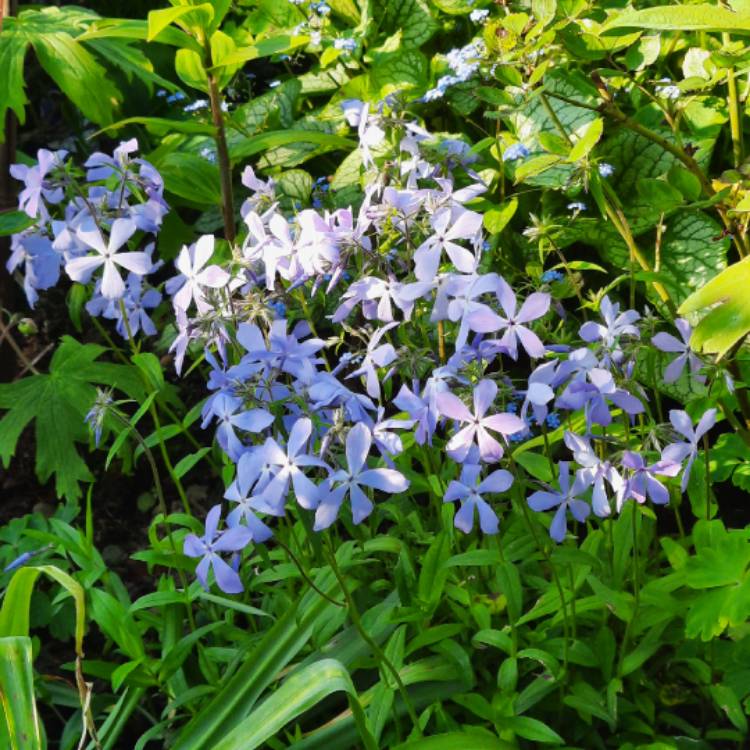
pixel 532 729
pixel 151 369
pixel 413 18
pixel 434 574
pixel 266 141
pixel 189 67
pixel 163 126
pixel 496 219
pixel 12 222
pixel 588 139
pixel 659 194
pixel 131 28
pixel 276 45
pixel 295 184
pixel 199 17
pixel 729 321
pixel 536 464
pixel 396 71
pixel 728 702
pixel 17 694
pixel 273 652
pixel 186 463
pixel 131 60
pixel 455 740
pixel 643 53
pixel 473 557
pixel 191 177
pixel 16 609
pixel 78 74
pixel 682 18
pixel 57 403
pixel 12 92
pixel 114 620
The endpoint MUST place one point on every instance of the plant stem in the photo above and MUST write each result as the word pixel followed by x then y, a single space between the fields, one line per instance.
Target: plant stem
pixel 162 506
pixel 222 152
pixel 611 110
pixel 157 422
pixel 735 112
pixel 379 654
pixel 519 500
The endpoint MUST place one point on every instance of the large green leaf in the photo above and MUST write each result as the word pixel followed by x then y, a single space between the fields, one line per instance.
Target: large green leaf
pixel 130 28
pixel 58 402
pixel 682 18
pixel 191 177
pixel 280 644
pixel 130 60
pixel 413 18
pixel 17 694
pixel 396 71
pixel 265 48
pixel 78 75
pixel 729 321
pixel 455 740
pixel 692 251
pixel 12 96
pixel 297 694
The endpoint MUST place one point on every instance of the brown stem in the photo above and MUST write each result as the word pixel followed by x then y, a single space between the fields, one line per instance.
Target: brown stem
pixel 222 151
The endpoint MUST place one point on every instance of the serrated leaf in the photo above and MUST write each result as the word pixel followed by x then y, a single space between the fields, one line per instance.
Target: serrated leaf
pixel 57 402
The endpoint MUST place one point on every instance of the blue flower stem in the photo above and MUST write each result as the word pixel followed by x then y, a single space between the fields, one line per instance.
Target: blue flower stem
pixel 306 577
pixel 517 498
pixel 167 409
pixel 157 422
pixel 385 662
pixel 162 507
pixel 636 591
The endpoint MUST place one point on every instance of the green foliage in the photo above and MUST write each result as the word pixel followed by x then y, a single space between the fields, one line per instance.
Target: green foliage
pixel 632 633
pixel 57 402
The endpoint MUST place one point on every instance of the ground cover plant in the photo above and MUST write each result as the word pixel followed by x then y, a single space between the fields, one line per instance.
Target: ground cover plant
pixel 376 375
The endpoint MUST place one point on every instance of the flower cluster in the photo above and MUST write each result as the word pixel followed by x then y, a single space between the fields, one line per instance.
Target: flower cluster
pixel 111 208
pixel 300 421
pixel 414 341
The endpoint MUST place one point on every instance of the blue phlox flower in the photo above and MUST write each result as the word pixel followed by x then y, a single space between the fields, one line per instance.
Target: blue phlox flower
pixel 208 547
pixel 469 490
pixel 565 499
pixel 350 481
